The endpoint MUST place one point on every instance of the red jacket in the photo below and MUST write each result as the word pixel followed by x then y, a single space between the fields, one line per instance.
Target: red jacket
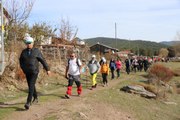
pixel 118 64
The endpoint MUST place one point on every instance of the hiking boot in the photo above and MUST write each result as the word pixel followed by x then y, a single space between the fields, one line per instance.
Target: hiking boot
pixel 79 95
pixel 95 85
pixel 67 96
pixel 27 105
pixel 92 88
pixel 35 100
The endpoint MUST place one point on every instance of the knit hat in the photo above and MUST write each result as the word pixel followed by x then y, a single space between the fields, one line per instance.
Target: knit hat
pixel 93 56
pixel 103 59
pixel 28 40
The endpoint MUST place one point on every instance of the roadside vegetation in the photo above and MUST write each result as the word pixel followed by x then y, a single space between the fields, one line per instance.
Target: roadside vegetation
pixel 140 108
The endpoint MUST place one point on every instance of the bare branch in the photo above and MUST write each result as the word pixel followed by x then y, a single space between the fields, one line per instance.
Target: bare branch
pixel 66 30
pixel 19 10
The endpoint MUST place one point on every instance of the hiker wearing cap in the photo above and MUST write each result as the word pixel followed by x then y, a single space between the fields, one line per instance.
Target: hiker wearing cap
pixel 104 71
pixel 72 73
pixel 94 67
pixel 29 63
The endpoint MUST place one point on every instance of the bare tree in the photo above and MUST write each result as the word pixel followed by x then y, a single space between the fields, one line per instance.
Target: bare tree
pixel 176 46
pixel 163 52
pixel 67 31
pixel 19 11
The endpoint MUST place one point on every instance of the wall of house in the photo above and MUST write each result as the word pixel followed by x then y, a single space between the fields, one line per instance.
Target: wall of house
pixel 100 48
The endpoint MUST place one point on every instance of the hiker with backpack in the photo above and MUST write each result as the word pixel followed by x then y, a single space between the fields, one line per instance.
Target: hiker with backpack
pixel 94 67
pixel 72 73
pixel 29 63
pixel 104 72
pixel 112 66
pixel 118 67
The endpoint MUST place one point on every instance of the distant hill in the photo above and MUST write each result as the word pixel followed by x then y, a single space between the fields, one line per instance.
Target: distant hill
pixel 143 47
pixel 170 43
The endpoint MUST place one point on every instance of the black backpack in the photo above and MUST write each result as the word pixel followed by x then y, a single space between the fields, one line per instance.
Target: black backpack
pixel 76 62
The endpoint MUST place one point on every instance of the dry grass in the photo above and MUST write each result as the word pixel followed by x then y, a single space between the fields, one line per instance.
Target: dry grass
pixel 161 73
pixel 176 72
pixel 20 74
pixel 148 87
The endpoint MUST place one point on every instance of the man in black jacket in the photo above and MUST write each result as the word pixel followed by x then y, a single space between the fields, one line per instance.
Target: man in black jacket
pixel 29 62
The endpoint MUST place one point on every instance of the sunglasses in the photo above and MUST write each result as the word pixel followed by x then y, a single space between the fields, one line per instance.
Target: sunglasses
pixel 71 56
pixel 27 43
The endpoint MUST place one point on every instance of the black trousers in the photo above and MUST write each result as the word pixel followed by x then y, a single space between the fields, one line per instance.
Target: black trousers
pixel 118 72
pixel 112 73
pixel 145 68
pixel 31 80
pixel 104 76
pixel 128 69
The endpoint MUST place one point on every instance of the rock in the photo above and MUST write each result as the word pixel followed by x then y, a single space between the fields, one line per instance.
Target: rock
pixel 82 115
pixel 37 115
pixel 137 89
pixel 170 103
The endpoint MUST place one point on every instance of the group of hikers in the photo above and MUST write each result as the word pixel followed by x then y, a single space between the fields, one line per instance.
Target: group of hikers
pixel 75 66
pixel 137 64
pixel 30 58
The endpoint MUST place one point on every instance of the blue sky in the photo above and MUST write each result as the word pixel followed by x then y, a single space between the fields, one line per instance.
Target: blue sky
pixel 153 20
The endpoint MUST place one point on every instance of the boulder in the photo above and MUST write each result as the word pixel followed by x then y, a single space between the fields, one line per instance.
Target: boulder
pixel 137 89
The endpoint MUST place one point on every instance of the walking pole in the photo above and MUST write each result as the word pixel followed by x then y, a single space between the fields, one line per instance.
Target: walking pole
pixel 86 70
pixel 86 78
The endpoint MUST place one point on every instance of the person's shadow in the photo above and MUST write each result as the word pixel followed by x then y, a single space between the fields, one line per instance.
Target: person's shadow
pixel 12 106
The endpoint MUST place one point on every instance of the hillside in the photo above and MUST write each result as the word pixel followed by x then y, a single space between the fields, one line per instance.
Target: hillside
pixel 143 47
pixel 170 43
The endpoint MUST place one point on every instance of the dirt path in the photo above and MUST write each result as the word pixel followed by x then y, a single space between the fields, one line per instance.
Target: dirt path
pixel 76 108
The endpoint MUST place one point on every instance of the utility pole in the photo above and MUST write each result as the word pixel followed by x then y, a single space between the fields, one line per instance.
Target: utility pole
pixel 2 40
pixel 137 50
pixel 116 34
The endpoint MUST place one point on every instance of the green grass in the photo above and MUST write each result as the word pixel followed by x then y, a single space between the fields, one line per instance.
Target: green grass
pixel 53 117
pixel 141 108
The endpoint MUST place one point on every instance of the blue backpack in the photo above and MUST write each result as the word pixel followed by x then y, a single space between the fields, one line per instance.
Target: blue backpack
pixel 112 65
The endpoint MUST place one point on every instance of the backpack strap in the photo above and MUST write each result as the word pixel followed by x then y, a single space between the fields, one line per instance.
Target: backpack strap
pixel 77 62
